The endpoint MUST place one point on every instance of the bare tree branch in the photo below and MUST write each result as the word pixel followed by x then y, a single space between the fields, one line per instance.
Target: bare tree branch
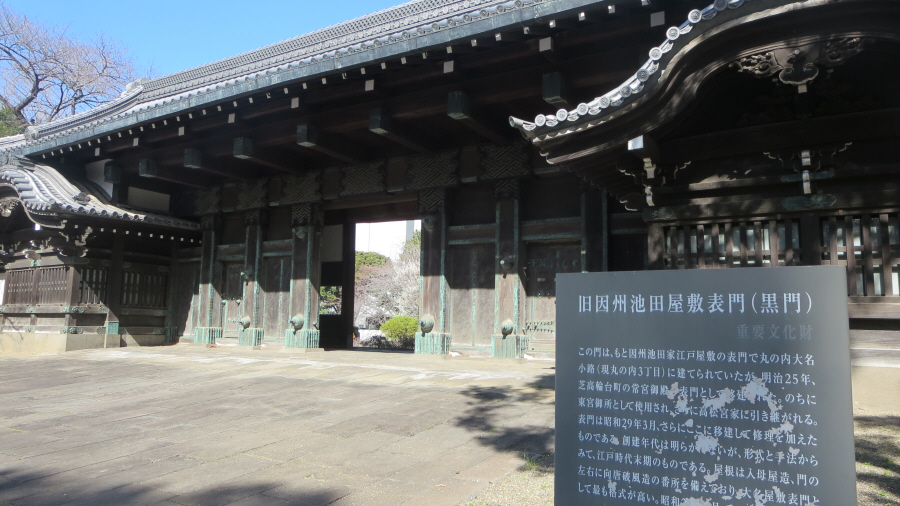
pixel 46 74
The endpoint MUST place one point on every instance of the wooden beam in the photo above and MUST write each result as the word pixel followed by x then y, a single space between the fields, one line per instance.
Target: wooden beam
pixel 459 107
pixel 503 38
pixel 243 149
pixel 483 42
pixel 566 23
pixel 879 124
pixel 380 123
pixel 308 136
pixel 148 168
pixel 193 159
pixel 536 30
pixel 458 49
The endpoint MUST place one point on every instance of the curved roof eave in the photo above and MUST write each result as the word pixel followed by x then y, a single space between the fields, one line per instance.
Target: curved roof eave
pixel 652 75
pixel 47 194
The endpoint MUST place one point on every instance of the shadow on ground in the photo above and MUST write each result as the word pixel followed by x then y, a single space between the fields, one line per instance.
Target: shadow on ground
pixel 498 413
pixel 29 488
pixel 877 459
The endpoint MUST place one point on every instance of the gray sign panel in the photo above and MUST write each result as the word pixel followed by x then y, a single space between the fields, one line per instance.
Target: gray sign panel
pixel 704 388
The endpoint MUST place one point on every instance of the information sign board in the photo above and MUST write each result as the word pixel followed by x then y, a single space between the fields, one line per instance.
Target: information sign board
pixel 704 388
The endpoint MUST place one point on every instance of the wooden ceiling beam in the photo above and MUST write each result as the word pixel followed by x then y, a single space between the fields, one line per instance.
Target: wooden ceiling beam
pixel 380 123
pixel 459 107
pixel 308 136
pixel 243 149
pixel 193 159
pixel 147 167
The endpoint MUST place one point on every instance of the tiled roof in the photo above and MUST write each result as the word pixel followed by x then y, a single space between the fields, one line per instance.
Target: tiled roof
pixel 46 193
pixel 403 29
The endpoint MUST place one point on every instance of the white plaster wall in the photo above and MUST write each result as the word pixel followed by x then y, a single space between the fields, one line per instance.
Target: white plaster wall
pixel 94 172
pixel 146 199
pixel 332 243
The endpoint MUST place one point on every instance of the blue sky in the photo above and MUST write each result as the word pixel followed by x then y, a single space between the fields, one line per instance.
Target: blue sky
pixel 175 35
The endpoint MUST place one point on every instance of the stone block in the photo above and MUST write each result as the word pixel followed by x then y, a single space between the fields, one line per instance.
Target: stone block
pixel 207 335
pixel 301 338
pixel 76 342
pixel 250 337
pixel 432 343
pixel 30 342
pixel 143 340
pixel 511 346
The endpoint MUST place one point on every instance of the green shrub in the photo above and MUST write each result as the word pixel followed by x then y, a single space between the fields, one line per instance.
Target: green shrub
pixel 401 330
pixel 370 259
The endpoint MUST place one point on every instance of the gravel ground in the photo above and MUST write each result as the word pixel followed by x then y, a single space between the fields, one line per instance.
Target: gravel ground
pixel 877 470
pixel 530 485
pixel 878 459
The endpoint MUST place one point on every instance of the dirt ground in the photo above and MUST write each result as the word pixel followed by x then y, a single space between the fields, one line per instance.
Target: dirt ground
pixel 877 469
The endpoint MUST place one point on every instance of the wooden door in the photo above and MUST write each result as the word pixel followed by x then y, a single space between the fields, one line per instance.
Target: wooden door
pixel 275 296
pixel 544 262
pixel 471 280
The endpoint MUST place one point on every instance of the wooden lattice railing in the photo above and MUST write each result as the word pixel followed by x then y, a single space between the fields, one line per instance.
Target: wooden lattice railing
pixel 143 289
pixel 869 245
pixel 733 244
pixel 41 285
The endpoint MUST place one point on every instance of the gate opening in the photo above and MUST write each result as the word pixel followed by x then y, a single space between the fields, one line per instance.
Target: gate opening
pixel 386 284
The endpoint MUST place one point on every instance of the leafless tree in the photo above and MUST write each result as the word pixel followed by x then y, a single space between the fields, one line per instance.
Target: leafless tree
pixel 46 74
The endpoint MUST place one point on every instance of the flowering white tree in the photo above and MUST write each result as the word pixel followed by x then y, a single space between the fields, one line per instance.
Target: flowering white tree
pixel 391 289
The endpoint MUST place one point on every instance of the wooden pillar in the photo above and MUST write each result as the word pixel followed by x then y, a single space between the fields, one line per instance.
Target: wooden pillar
pixel 656 245
pixel 507 341
pixel 173 332
pixel 251 331
pixel 810 244
pixel 348 281
pixel 306 240
pixel 594 230
pixel 433 337
pixel 114 290
pixel 209 313
pixel 73 297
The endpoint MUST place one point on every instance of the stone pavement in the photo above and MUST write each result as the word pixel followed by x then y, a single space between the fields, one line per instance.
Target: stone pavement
pixel 186 425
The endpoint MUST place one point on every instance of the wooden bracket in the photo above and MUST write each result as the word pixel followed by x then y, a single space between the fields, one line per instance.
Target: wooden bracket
pixel 459 108
pixel 555 89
